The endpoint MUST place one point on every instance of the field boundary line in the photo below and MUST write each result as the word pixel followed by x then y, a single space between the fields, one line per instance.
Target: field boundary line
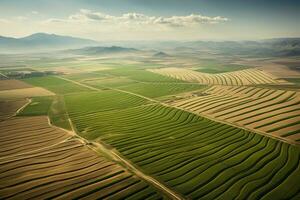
pixel 285 140
pixel 116 156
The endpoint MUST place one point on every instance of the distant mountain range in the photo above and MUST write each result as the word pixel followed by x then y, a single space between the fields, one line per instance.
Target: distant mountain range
pixel 161 55
pixel 102 50
pixel 269 47
pixel 42 42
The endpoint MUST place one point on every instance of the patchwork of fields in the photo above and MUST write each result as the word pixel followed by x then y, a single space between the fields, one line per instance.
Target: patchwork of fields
pixel 154 120
pixel 275 112
pixel 43 162
pixel 241 77
pixel 144 134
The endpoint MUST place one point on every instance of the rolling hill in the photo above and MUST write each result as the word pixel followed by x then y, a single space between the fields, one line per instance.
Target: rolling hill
pixel 42 42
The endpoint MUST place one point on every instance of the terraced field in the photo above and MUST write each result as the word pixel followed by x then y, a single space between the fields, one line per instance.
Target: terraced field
pixel 219 162
pixel 136 137
pixel 275 112
pixel 241 77
pixel 42 162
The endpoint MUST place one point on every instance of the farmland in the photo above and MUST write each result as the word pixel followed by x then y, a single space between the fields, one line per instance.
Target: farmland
pixel 275 112
pixel 143 131
pixel 73 170
pixel 55 85
pixel 189 168
pixel 12 84
pixel 240 77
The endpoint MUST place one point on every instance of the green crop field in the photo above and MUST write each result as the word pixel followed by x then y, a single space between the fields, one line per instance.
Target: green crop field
pixel 149 100
pixel 94 102
pixel 58 114
pixel 197 157
pixel 55 85
pixel 139 75
pixel 160 89
pixel 38 106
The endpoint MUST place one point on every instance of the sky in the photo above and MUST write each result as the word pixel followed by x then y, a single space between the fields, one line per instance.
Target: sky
pixel 106 20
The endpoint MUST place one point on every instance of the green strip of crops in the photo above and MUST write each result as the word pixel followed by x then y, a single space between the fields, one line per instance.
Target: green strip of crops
pixel 38 106
pixel 55 84
pixel 191 154
pixel 158 90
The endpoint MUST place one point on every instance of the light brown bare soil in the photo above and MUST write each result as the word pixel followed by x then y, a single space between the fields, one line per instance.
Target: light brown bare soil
pixel 24 93
pixel 9 108
pixel 39 161
pixel 270 111
pixel 241 77
pixel 13 84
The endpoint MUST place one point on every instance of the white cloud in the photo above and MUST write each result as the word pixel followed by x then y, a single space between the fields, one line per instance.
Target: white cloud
pixel 85 15
pixel 127 26
pixel 21 18
pixel 34 12
pixel 4 21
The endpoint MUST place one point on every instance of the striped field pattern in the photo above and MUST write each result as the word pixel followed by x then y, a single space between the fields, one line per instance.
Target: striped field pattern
pixel 199 158
pixel 42 162
pixel 241 77
pixel 275 112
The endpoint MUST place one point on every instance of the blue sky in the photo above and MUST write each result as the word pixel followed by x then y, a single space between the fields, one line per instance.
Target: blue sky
pixel 152 19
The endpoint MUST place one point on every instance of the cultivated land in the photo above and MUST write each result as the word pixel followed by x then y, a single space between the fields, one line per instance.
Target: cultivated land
pixel 274 112
pixel 151 132
pixel 23 93
pixel 241 77
pixel 9 108
pixel 40 161
pixel 12 84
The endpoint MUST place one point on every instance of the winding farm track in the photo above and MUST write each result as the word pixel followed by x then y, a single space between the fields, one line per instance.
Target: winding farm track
pixel 116 155
pixel 40 161
pixel 252 164
pixel 208 116
pixel 12 108
pixel 241 77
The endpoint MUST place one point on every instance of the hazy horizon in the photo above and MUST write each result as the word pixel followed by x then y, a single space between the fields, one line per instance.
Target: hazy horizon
pixel 158 40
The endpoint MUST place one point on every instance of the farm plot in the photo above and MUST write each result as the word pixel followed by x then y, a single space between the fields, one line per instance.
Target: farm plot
pixel 139 75
pixel 37 106
pixel 197 157
pixel 21 135
pixel 275 112
pixel 37 162
pixel 160 89
pixel 9 108
pixel 148 89
pixel 13 84
pixel 58 114
pixel 110 82
pixel 95 102
pixel 241 77
pixel 56 85
pixel 24 93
